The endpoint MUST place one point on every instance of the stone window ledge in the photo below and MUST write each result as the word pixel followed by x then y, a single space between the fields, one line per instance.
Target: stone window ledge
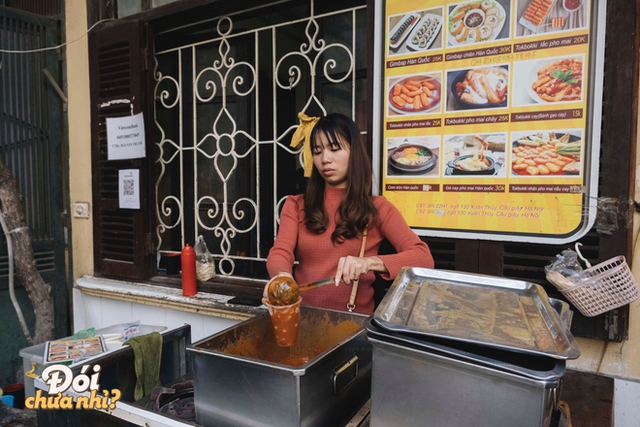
pixel 208 304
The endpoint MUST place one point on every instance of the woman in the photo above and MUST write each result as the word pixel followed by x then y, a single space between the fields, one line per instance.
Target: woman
pixel 323 229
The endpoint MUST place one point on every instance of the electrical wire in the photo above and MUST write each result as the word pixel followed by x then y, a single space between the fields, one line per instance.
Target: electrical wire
pixel 44 49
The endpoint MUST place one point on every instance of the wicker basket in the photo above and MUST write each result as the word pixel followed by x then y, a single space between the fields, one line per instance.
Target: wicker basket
pixel 611 285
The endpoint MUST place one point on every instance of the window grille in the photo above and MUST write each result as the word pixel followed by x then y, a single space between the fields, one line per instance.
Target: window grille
pixel 227 95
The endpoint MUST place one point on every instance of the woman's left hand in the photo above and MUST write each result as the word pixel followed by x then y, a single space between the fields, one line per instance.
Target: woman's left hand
pixel 350 268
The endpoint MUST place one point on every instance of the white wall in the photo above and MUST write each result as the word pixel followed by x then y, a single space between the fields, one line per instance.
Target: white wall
pixel 98 312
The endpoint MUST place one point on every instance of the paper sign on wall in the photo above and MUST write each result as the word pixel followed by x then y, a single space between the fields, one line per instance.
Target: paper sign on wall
pixel 125 137
pixel 129 188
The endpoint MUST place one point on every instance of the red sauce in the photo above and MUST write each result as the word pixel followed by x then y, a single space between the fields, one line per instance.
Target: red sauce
pixel 283 290
pixel 572 4
pixel 295 361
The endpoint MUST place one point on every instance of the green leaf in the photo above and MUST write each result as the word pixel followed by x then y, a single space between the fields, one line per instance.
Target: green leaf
pixel 564 76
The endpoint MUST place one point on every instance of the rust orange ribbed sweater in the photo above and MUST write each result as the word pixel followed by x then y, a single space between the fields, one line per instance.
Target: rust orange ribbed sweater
pixel 318 256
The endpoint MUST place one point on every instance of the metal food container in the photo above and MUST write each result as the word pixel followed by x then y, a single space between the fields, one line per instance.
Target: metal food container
pixel 242 378
pixel 454 349
pixel 416 385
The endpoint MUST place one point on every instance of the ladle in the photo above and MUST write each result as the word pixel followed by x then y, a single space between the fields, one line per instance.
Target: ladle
pixel 284 290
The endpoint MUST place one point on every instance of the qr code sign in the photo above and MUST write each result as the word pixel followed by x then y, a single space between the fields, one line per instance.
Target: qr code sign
pixel 127 187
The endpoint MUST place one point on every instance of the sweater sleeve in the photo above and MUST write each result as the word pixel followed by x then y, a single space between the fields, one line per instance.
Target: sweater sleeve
pixel 410 250
pixel 281 255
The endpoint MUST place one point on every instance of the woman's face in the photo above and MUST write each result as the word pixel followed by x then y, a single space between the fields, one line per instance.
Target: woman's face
pixel 331 160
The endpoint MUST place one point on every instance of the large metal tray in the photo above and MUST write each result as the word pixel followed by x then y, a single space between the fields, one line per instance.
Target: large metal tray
pixel 486 310
pixel 530 366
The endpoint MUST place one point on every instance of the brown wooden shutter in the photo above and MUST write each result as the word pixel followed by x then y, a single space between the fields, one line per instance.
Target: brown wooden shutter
pixel 121 236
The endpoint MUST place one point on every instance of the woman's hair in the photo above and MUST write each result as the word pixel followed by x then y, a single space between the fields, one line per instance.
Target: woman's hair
pixel 356 211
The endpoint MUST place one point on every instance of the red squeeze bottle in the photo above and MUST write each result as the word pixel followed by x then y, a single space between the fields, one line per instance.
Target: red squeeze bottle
pixel 188 259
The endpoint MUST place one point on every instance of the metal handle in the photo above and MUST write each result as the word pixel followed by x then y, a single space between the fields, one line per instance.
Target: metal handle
pixel 345 374
pixel 318 283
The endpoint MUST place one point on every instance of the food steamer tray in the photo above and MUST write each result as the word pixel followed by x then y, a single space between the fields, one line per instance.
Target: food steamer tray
pixel 485 310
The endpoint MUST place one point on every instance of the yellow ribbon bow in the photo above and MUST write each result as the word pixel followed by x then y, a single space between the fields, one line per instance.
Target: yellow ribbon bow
pixel 302 135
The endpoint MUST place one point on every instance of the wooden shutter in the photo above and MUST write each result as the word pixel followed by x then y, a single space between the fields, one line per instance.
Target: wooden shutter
pixel 121 236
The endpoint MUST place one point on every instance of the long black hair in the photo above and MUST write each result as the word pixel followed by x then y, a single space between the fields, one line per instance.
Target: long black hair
pixel 356 211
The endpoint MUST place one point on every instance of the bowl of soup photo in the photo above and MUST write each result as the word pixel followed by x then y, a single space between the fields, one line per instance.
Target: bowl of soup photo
pixel 472 164
pixel 413 158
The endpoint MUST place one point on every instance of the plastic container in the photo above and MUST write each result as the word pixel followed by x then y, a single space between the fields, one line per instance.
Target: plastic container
pixel 15 390
pixel 286 322
pixel 7 400
pixel 171 263
pixel 33 357
pixel 610 286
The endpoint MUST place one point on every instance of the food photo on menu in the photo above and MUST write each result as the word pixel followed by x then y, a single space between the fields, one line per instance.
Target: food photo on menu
pixel 413 156
pixel 548 153
pixel 550 16
pixel 478 21
pixel 73 349
pixel 548 81
pixel 415 32
pixel 414 94
pixel 474 155
pixel 478 88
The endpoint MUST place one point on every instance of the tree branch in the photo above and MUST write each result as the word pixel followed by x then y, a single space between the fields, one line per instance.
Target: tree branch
pixel 24 260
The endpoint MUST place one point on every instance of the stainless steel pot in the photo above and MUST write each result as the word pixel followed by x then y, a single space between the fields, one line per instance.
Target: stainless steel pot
pixel 413 385
pixel 241 377
pixel 452 349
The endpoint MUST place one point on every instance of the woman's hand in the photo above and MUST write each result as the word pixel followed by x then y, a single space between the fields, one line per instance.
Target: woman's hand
pixel 265 291
pixel 350 268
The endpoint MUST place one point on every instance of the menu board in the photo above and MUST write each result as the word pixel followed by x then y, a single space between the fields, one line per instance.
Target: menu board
pixel 489 116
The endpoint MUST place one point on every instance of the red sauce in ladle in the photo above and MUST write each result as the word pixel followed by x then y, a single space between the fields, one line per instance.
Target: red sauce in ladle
pixel 283 291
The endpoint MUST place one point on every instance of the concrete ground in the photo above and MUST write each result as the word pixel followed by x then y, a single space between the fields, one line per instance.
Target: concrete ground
pixel 590 399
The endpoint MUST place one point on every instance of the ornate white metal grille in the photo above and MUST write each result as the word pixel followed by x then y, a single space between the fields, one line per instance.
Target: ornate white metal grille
pixel 225 111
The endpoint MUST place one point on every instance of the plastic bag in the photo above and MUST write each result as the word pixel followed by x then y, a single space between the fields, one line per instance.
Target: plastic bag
pixel 565 271
pixel 131 330
pixel 205 268
pixel 84 333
